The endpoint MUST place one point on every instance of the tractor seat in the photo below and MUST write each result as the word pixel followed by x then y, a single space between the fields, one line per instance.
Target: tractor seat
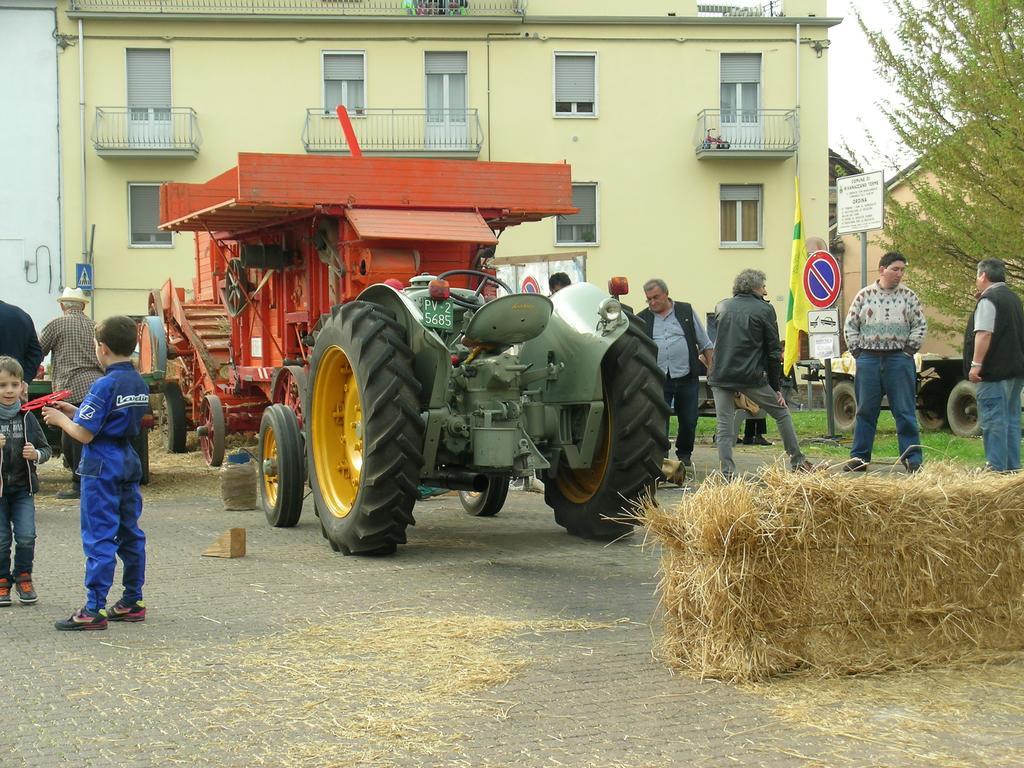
pixel 509 320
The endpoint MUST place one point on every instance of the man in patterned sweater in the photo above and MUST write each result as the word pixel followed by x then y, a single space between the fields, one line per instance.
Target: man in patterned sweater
pixel 884 328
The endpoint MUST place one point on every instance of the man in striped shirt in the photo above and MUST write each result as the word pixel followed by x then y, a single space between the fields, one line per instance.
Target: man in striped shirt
pixel 70 339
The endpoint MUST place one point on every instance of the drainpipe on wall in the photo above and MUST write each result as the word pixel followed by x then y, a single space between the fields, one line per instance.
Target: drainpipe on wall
pixel 81 139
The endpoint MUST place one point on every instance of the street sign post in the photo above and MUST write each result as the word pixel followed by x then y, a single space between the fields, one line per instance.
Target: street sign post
pixel 859 208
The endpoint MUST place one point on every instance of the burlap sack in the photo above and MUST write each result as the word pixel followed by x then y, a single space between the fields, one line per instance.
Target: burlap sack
pixel 238 482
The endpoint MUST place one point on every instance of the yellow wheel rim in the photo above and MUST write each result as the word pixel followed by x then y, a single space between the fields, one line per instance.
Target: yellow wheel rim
pixel 337 432
pixel 270 478
pixel 580 485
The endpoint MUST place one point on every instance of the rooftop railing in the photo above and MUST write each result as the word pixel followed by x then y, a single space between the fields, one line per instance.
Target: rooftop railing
pixel 397 131
pixel 741 8
pixel 146 131
pixel 396 8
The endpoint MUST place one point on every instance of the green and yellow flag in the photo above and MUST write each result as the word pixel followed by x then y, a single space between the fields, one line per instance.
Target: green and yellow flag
pixel 796 312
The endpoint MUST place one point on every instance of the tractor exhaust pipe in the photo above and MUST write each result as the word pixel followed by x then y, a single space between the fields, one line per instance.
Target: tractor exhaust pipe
pixel 458 481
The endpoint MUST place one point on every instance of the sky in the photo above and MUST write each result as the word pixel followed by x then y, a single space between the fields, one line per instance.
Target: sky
pixel 855 89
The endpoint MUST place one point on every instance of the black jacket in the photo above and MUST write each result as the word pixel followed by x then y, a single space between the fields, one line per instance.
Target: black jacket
pixel 747 348
pixel 1005 356
pixel 684 314
pixel 18 339
pixel 15 471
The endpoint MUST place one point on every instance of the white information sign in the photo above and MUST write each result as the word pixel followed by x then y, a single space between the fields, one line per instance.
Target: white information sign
pixel 823 321
pixel 824 345
pixel 859 202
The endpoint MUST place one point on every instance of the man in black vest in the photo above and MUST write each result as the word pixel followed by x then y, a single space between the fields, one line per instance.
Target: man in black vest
pixel 994 361
pixel 682 345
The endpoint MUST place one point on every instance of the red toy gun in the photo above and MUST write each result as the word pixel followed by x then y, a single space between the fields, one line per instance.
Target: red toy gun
pixel 45 400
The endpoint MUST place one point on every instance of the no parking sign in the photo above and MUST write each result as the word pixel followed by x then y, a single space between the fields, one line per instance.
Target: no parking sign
pixel 530 285
pixel 823 279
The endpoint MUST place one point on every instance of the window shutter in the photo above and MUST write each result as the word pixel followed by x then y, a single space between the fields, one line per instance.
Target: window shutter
pixel 149 78
pixel 584 197
pixel 574 78
pixel 740 192
pixel 741 67
pixel 145 212
pixel 343 66
pixel 446 63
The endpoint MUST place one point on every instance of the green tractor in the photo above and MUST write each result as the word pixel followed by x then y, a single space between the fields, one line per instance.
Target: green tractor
pixel 433 385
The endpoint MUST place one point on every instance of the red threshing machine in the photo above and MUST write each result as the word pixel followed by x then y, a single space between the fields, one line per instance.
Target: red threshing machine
pixel 281 239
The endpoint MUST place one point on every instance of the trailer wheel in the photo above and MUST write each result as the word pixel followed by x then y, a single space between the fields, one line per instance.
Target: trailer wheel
pixel 486 503
pixel 211 436
pixel 597 502
pixel 364 430
pixel 844 405
pixel 288 387
pixel 962 410
pixel 280 467
pixel 175 426
pixel 931 399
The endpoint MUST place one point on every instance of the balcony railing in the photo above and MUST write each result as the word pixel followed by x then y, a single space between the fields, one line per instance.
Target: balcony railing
pixel 146 132
pixel 764 133
pixel 410 132
pixel 741 8
pixel 395 8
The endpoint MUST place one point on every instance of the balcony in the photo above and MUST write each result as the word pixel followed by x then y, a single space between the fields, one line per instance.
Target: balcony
pixel 760 133
pixel 396 9
pixel 398 132
pixel 146 132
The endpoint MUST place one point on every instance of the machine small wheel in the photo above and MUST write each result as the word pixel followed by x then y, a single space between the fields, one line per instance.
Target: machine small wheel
pixel 212 432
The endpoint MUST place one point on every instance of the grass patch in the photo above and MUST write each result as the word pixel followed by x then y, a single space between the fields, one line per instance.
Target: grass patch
pixel 813 424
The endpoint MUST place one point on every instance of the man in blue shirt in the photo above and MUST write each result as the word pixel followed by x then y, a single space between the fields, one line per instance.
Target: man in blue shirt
pixel 683 345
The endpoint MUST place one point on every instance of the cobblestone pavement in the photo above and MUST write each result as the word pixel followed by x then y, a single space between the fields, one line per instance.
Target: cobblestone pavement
pixel 497 641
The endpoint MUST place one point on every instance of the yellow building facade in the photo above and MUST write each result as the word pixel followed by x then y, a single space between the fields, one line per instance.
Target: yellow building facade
pixel 684 124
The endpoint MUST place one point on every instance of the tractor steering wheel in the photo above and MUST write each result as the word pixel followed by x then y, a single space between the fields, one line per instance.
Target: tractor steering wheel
pixel 484 279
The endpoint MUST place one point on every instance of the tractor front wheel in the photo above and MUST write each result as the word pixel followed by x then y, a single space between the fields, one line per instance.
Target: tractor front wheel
pixel 364 432
pixel 281 466
pixel 488 502
pixel 598 502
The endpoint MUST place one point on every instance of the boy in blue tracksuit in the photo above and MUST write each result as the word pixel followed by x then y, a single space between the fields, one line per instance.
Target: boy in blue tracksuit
pixel 106 421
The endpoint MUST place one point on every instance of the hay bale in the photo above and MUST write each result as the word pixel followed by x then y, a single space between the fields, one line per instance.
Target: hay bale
pixel 841 575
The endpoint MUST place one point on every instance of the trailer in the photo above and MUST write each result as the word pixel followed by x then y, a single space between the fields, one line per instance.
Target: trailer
pixel 945 398
pixel 346 308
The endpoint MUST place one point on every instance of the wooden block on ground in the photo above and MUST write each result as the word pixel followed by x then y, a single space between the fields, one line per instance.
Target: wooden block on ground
pixel 231 543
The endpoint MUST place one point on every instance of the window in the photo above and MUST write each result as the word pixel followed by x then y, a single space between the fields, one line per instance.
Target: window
pixel 741 88
pixel 144 215
pixel 149 95
pixel 576 84
pixel 741 215
pixel 345 82
pixel 447 114
pixel 579 228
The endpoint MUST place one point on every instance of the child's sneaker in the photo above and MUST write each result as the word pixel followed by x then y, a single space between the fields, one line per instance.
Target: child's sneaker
pixel 123 611
pixel 83 618
pixel 5 593
pixel 26 594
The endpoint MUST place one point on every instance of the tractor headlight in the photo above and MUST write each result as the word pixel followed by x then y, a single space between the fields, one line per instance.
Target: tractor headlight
pixel 610 310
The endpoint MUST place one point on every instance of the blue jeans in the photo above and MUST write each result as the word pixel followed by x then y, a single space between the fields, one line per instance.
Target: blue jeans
pixel 681 396
pixel 999 410
pixel 895 376
pixel 17 513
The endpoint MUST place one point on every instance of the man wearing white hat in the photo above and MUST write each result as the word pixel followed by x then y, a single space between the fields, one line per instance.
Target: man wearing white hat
pixel 71 340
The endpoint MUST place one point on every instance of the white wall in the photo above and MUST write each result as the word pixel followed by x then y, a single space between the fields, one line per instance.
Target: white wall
pixel 29 179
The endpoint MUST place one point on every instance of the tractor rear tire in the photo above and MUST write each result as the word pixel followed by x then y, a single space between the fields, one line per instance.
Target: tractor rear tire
pixel 486 503
pixel 364 432
pixel 175 426
pixel 844 405
pixel 599 502
pixel 281 472
pixel 962 410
